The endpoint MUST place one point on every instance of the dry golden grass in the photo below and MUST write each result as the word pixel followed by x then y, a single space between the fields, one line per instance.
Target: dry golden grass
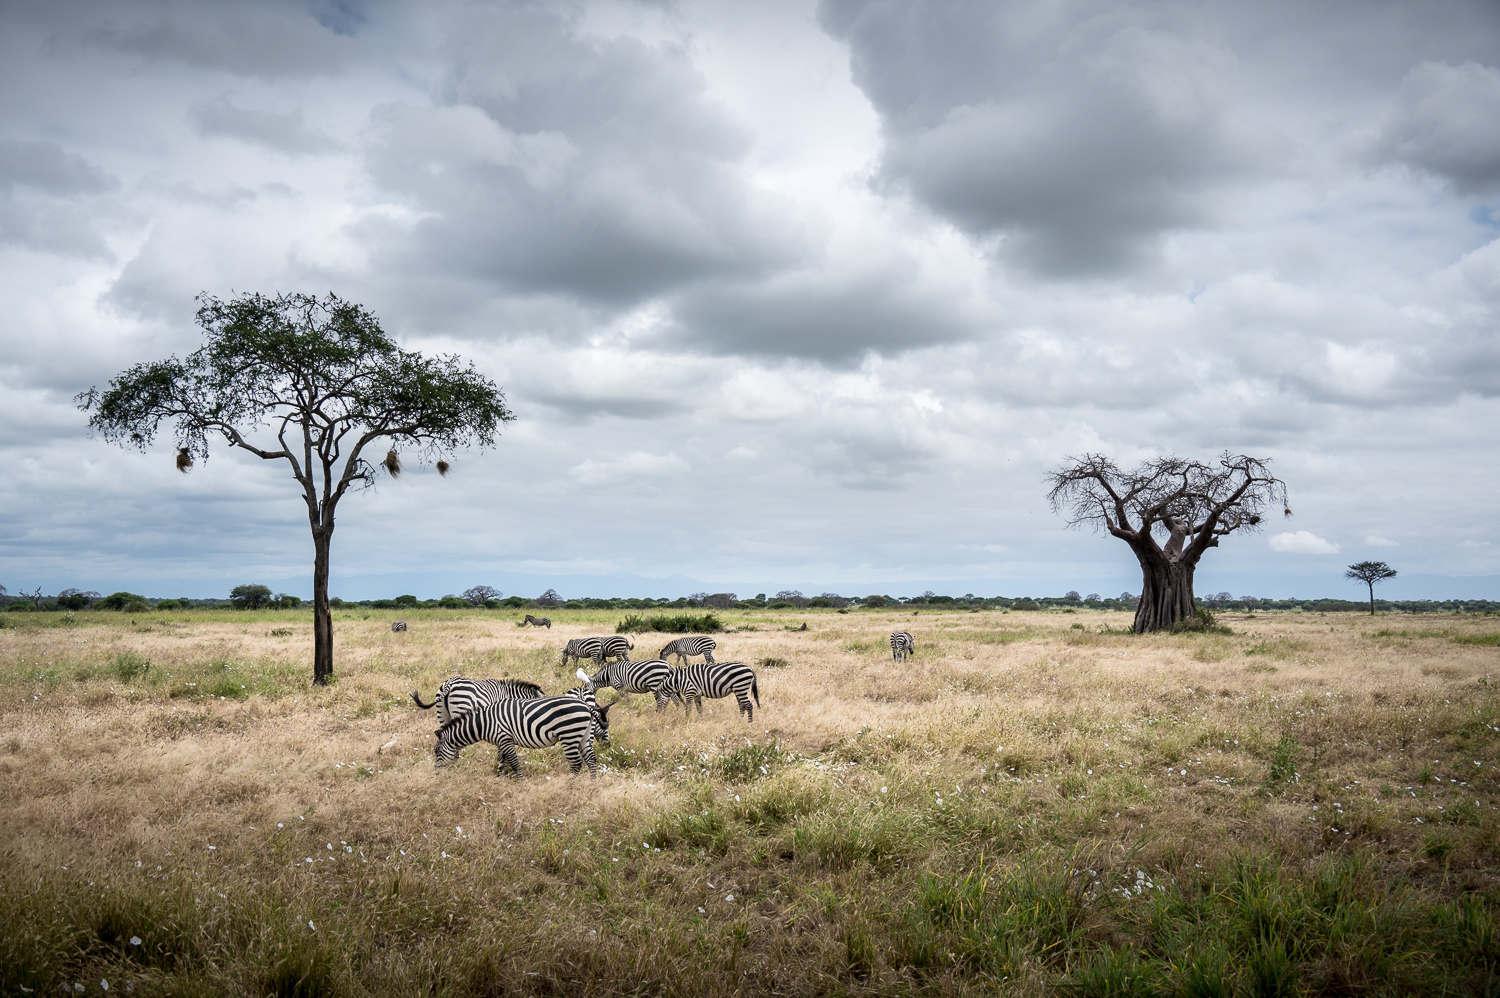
pixel 877 829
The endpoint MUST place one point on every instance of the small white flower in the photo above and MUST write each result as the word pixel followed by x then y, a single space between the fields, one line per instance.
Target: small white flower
pixel 728 897
pixel 103 985
pixel 700 909
pixel 135 940
pixel 310 925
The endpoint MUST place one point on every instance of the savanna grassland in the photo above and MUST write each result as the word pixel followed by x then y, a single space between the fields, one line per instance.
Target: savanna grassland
pixel 1035 804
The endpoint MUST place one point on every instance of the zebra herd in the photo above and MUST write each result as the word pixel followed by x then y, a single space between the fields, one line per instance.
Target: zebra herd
pixel 515 712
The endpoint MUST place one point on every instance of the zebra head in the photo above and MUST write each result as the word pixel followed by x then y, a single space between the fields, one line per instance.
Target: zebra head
pixel 601 723
pixel 446 749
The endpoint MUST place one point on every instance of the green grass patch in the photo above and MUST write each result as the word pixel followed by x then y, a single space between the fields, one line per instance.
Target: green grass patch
pixel 1483 640
pixel 682 623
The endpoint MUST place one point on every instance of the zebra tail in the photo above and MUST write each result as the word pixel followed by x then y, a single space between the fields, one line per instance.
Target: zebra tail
pixel 755 689
pixel 424 706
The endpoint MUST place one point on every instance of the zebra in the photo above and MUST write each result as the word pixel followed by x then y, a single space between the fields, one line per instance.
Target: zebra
pixel 684 648
pixel 902 645
pixel 597 649
pixel 531 724
pixel 632 677
pixel 538 621
pixel 712 680
pixel 399 625
pixel 461 696
pixel 586 694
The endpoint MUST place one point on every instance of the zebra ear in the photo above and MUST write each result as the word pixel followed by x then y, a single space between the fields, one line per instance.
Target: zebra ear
pixel 582 675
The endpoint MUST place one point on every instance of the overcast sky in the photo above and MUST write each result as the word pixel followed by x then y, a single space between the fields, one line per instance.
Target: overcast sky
pixel 784 294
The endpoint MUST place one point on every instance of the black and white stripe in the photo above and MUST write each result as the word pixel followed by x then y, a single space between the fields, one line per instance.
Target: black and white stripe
pixel 614 646
pixel 617 647
pixel 460 696
pixel 902 645
pixel 586 694
pixel 399 625
pixel 538 723
pixel 632 677
pixel 685 648
pixel 711 681
pixel 538 621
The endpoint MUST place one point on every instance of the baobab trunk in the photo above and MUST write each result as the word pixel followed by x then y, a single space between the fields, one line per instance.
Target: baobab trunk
pixel 322 612
pixel 1166 592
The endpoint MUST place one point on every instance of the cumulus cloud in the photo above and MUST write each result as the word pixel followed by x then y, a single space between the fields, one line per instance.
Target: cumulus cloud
pixel 1375 540
pixel 1077 141
pixel 559 163
pixel 634 468
pixel 1446 121
pixel 285 132
pixel 1302 542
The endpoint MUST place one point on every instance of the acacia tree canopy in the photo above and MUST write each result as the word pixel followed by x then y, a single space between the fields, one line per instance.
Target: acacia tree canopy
pixel 1170 511
pixel 310 381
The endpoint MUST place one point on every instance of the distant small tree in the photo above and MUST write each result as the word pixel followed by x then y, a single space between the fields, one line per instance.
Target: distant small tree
pixel 1170 511
pixel 249 596
pixel 126 602
pixel 35 596
pixel 1091 598
pixel 309 381
pixel 549 598
pixel 1370 572
pixel 480 595
pixel 75 599
pixel 874 600
pixel 286 601
pixel 793 597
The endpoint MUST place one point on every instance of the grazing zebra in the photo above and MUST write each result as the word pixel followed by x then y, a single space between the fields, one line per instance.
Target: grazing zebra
pixel 399 625
pixel 586 694
pixel 614 646
pixel 902 645
pixel 684 648
pixel 632 677
pixel 538 621
pixel 531 724
pixel 712 680
pixel 460 696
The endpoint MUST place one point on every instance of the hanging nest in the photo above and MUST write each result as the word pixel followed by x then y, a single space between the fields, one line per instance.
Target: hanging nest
pixel 184 460
pixel 392 463
pixel 442 467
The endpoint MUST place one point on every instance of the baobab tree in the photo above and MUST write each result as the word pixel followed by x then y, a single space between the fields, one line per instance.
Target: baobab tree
pixel 314 382
pixel 1170 511
pixel 1371 572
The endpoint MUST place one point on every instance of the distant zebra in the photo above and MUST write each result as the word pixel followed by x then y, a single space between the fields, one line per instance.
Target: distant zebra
pixel 530 724
pixel 902 645
pixel 632 677
pixel 461 696
pixel 711 681
pixel 399 625
pixel 685 648
pixel 538 621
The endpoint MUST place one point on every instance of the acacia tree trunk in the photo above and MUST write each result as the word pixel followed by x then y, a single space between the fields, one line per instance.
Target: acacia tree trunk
pixel 1372 598
pixel 322 612
pixel 1166 591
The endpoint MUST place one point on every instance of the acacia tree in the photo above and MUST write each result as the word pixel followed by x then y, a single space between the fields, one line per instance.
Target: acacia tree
pixel 1371 572
pixel 1170 511
pixel 309 381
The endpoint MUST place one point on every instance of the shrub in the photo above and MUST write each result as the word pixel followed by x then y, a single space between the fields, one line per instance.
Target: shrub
pixel 126 601
pixel 128 665
pixel 682 623
pixel 19 607
pixel 1201 622
pixel 169 604
pixel 874 601
pixel 1025 604
pixel 453 603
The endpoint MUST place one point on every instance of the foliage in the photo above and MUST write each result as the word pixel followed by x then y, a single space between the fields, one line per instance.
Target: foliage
pixel 128 602
pixel 75 599
pixel 250 596
pixel 480 595
pixel 683 623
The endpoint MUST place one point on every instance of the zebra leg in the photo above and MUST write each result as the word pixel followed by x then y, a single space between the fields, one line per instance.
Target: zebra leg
pixel 590 758
pixel 575 755
pixel 708 656
pixel 509 757
pixel 745 707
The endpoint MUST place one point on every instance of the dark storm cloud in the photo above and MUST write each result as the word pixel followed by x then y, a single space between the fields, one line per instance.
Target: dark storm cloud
pixel 593 167
pixel 49 198
pixel 262 39
pixel 1076 135
pixel 1447 121
pixel 285 132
